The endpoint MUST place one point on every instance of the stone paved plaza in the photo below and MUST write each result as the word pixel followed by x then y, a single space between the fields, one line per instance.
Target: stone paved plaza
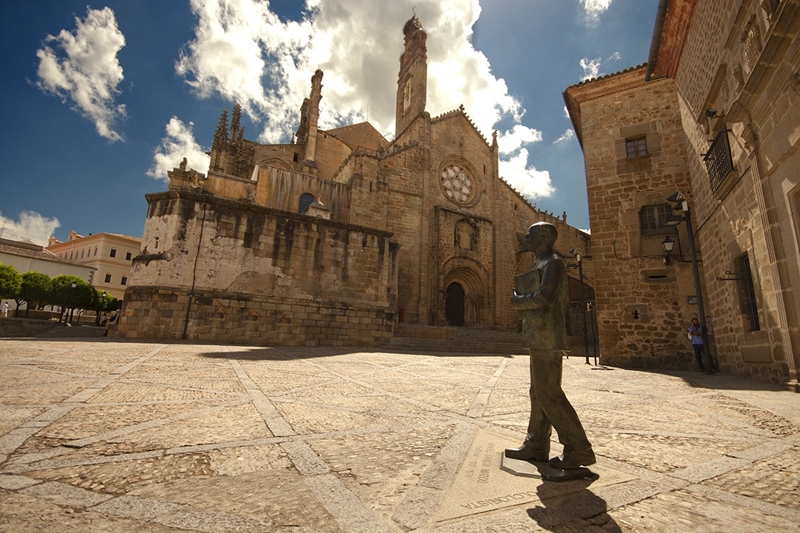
pixel 109 436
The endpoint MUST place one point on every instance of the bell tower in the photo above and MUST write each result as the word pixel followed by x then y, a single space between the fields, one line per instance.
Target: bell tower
pixel 412 83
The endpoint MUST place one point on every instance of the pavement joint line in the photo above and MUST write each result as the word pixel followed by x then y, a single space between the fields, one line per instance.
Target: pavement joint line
pixel 69 463
pixel 304 458
pixel 421 502
pixel 34 367
pixel 768 449
pixel 158 422
pixel 139 508
pixel 423 405
pixel 746 501
pixel 724 419
pixel 12 440
pixel 482 398
pixel 275 422
pixel 697 436
pixel 348 511
pixel 205 521
pixel 624 494
pixel 700 472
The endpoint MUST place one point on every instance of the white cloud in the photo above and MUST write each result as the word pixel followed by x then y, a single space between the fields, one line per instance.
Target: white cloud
pixel 569 134
pixel 89 73
pixel 591 68
pixel 510 141
pixel 616 56
pixel 243 52
pixel 178 143
pixel 566 112
pixel 592 9
pixel 31 226
pixel 527 180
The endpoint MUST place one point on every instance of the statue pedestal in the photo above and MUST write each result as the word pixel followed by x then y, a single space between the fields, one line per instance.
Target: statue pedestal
pixel 543 470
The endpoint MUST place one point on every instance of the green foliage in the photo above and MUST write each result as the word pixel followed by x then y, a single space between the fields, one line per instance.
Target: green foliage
pixel 35 288
pixel 10 281
pixel 106 302
pixel 62 294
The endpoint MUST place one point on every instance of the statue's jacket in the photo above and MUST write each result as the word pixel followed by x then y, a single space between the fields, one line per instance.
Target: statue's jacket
pixel 543 311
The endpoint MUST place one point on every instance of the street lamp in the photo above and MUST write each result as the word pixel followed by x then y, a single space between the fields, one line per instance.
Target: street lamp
pixel 69 306
pixel 668 244
pixel 674 220
pixel 583 303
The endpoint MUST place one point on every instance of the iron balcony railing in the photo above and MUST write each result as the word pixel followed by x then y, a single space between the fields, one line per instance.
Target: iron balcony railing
pixel 718 160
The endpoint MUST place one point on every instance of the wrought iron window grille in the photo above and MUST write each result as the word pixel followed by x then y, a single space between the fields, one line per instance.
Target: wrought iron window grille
pixel 719 162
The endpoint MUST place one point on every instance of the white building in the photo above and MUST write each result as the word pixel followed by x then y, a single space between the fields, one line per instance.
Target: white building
pixel 109 254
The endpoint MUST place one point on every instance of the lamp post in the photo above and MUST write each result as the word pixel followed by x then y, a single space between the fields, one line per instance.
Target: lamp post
pixel 673 220
pixel 583 304
pixel 69 306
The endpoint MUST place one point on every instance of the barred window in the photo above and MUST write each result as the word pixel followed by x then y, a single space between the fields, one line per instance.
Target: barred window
pixel 718 160
pixel 747 291
pixel 636 147
pixel 653 219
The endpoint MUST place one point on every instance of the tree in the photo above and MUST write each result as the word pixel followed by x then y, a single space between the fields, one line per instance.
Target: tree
pixel 35 289
pixel 105 303
pixel 68 298
pixel 10 282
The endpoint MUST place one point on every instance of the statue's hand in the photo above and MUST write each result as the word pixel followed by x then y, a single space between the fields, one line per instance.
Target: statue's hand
pixel 517 300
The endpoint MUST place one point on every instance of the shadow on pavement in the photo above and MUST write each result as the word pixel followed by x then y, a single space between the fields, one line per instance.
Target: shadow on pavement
pixel 583 504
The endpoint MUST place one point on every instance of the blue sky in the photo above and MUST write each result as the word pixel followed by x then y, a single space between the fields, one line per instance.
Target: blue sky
pixel 98 100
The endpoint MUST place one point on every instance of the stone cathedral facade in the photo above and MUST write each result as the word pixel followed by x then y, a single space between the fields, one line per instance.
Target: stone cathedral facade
pixel 339 236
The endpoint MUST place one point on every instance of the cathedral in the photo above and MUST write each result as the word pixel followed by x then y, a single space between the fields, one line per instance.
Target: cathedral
pixel 339 236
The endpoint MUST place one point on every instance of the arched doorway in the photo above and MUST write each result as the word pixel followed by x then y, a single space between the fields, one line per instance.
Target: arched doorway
pixel 454 305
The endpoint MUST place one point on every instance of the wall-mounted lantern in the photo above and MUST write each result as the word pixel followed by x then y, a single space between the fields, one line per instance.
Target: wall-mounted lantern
pixel 668 244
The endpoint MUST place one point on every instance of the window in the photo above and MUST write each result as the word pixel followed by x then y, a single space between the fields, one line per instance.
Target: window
pixel 636 147
pixel 108 278
pixel 305 201
pixel 95 250
pixel 718 160
pixel 113 252
pixel 747 292
pixel 294 157
pixel 128 256
pixel 653 219
pixel 124 281
pixel 83 252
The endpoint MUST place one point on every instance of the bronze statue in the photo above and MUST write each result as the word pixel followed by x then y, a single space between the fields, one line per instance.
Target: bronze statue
pixel 540 298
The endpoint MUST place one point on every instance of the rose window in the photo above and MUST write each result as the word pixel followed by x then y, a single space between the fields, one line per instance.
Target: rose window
pixel 457 184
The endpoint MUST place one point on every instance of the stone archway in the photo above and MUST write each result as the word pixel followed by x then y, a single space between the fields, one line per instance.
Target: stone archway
pixel 466 302
pixel 454 304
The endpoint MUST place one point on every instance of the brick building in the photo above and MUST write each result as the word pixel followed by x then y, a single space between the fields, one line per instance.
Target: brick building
pixel 339 235
pixel 715 114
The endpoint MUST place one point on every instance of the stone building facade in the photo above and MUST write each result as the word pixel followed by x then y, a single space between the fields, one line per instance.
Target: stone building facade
pixel 339 235
pixel 642 302
pixel 727 72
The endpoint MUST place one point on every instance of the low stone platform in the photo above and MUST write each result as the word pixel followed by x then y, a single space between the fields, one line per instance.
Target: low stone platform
pixel 112 436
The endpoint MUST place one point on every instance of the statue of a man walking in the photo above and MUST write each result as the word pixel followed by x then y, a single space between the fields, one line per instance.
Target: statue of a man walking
pixel 540 298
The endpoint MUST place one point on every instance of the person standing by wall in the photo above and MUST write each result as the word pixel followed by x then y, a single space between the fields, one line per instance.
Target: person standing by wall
pixel 696 334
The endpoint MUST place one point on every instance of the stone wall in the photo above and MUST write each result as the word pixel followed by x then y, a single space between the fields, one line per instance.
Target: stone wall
pixel 216 316
pixel 239 260
pixel 643 308
pixel 739 62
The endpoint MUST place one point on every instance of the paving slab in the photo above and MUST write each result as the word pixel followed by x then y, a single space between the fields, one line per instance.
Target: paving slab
pixel 118 436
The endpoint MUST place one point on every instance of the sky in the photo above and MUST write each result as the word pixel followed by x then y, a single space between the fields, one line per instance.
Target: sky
pixel 99 100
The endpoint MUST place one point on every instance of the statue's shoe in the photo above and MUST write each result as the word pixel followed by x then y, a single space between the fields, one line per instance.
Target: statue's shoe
pixel 528 453
pixel 572 460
